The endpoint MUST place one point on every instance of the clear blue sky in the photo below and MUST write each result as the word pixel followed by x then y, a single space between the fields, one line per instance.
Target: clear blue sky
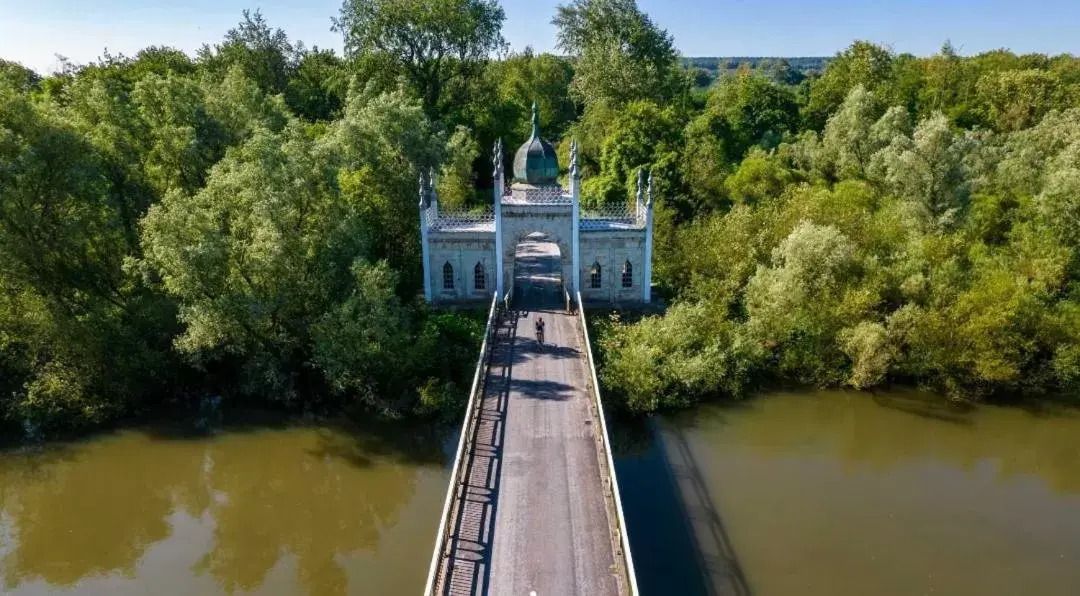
pixel 32 31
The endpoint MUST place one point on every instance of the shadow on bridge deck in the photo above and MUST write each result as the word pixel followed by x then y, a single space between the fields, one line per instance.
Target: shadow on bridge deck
pixel 534 515
pixel 468 568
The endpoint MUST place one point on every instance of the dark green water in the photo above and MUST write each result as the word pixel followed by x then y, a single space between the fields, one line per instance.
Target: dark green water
pixel 825 493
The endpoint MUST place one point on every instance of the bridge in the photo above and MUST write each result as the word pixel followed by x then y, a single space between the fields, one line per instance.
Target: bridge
pixel 533 503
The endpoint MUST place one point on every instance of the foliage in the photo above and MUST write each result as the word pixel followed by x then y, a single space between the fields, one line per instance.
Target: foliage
pixel 243 222
pixel 429 41
pixel 622 56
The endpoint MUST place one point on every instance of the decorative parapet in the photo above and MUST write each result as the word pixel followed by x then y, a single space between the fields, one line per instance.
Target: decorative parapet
pixel 463 221
pixel 526 194
pixel 612 217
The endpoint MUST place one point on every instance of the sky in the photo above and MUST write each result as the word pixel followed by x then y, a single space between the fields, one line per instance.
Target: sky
pixel 34 31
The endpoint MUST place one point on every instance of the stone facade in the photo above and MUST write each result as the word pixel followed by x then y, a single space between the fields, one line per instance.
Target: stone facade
pixel 463 252
pixel 521 219
pixel 612 251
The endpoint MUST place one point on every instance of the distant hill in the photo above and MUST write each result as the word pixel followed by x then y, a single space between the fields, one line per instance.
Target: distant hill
pixel 788 70
pixel 804 64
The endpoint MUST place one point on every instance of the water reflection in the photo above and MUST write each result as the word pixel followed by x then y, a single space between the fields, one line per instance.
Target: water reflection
pixel 285 510
pixel 842 493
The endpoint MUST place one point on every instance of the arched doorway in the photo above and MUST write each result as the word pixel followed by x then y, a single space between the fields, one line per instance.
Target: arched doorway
pixel 538 272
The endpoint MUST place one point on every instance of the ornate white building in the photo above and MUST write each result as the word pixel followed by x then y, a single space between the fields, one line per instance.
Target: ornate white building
pixel 606 255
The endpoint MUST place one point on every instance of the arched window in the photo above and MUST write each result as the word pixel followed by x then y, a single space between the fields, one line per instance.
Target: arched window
pixel 478 276
pixel 448 276
pixel 627 275
pixel 594 275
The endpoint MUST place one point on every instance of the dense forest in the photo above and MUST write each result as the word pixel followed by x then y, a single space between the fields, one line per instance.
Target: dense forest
pixel 789 71
pixel 243 223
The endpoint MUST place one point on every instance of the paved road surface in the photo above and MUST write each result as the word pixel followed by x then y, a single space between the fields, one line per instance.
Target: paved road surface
pixel 535 517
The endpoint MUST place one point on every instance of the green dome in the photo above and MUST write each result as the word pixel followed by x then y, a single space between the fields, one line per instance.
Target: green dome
pixel 535 162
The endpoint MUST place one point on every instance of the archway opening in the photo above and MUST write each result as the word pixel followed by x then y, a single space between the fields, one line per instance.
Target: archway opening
pixel 538 272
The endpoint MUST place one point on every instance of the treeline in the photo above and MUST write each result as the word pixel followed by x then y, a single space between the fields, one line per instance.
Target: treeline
pixel 897 219
pixel 244 223
pixel 788 71
pixel 241 224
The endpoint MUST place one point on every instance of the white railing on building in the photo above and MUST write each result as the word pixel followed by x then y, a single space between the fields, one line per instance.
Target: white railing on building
pixel 609 216
pixel 454 220
pixel 536 195
pixel 468 430
pixel 608 461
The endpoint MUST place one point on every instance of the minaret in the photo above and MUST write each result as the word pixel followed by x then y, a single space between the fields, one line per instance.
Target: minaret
pixel 497 161
pixel 425 255
pixel 646 279
pixel 575 200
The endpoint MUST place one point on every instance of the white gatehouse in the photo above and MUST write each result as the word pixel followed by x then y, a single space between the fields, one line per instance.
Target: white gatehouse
pixel 605 254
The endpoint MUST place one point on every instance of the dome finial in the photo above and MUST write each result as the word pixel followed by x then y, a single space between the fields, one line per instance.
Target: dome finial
pixel 535 162
pixel 535 122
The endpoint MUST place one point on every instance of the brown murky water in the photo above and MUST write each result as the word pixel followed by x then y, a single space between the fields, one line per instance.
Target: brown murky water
pixel 836 493
pixel 286 511
pixel 827 493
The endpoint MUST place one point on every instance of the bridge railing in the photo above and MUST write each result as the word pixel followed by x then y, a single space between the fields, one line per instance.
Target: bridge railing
pixel 468 429
pixel 608 461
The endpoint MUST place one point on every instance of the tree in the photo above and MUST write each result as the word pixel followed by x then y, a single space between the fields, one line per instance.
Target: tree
pixel 17 76
pixel 430 41
pixel 862 63
pixel 621 54
pixel 643 136
pixel 85 339
pixel 757 111
pixel 928 168
pixel 1017 99
pixel 316 89
pixel 527 78
pixel 456 183
pixel 265 55
pixel 847 145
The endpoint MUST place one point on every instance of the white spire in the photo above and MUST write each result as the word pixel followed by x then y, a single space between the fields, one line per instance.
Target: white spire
pixel 423 191
pixel 573 158
pixel 650 191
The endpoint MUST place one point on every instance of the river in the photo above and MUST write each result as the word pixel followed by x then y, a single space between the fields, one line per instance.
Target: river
pixel 836 493
pixel 809 493
pixel 266 510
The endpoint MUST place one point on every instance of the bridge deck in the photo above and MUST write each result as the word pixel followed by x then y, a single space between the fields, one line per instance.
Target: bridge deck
pixel 536 511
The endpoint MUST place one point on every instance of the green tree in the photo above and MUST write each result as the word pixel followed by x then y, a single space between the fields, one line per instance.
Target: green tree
pixel 757 111
pixel 264 55
pixel 316 88
pixel 622 56
pixel 431 42
pixel 862 63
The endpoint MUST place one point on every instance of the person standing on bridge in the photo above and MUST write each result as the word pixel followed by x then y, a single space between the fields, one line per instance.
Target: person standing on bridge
pixel 540 330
